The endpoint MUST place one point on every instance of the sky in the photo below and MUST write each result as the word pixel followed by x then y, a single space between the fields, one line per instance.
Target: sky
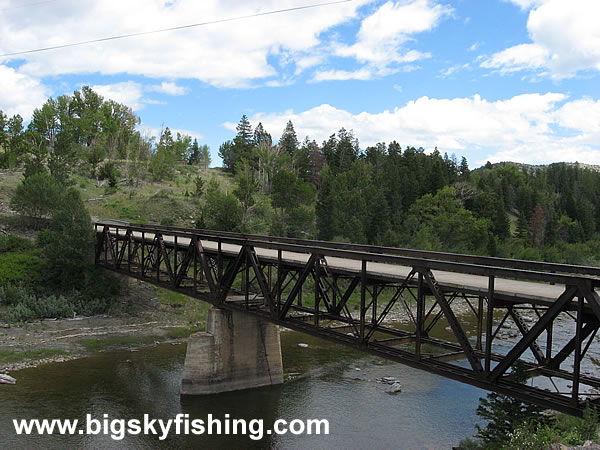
pixel 491 80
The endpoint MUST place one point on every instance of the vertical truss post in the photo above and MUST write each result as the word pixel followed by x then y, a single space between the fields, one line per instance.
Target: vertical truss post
pixel 129 250
pixel 279 280
pixel 143 254
pixel 374 306
pixel 246 278
pixel 489 325
pixel 577 356
pixel 363 299
pixel 317 272
pixel 478 345
pixel 549 342
pixel 195 255
pixel 175 249
pixel 419 318
pixel 219 267
pixel 159 255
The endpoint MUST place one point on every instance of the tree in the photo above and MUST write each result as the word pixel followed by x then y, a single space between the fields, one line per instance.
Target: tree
pixel 261 136
pixel 503 414
pixel 162 163
pixel 227 154
pixel 289 141
pixel 454 227
pixel 536 226
pixel 291 197
pixel 12 142
pixel 463 170
pixel 246 186
pixel 205 159
pixel 69 243
pixel 243 143
pixel 194 155
pixel 221 212
pixel 37 195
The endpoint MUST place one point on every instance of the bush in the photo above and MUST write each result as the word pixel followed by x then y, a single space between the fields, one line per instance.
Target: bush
pixel 23 305
pixel 25 267
pixel 110 172
pixel 11 243
pixel 69 244
pixel 37 195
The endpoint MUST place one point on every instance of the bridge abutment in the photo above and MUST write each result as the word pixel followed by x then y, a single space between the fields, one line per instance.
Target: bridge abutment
pixel 237 351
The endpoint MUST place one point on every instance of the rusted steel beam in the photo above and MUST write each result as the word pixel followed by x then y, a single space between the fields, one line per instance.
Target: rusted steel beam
pixel 535 331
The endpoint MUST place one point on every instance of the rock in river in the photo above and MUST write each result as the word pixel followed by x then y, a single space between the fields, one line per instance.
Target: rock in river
pixel 7 379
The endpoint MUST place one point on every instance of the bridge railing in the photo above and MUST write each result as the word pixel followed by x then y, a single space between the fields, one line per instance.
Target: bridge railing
pixel 450 262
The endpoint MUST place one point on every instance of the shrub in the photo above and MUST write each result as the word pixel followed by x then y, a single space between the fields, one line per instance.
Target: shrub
pixel 70 241
pixel 110 172
pixel 23 305
pixel 11 243
pixel 37 195
pixel 25 267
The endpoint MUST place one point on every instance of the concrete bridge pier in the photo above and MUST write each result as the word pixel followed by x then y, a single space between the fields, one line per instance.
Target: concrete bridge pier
pixel 237 351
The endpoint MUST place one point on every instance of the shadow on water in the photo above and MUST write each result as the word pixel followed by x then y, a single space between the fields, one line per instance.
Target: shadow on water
pixel 335 383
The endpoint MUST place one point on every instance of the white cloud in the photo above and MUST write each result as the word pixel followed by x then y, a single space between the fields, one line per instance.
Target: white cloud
pixel 382 36
pixel 20 93
pixel 475 46
pixel 229 54
pixel 565 35
pixel 523 128
pixel 128 92
pixel 364 73
pixel 525 4
pixel 168 87
pixel 454 69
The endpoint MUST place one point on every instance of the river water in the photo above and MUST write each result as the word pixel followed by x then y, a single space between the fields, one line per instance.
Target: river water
pixel 336 383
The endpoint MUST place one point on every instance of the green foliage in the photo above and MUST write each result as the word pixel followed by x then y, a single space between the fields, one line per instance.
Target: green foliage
pixel 503 414
pixel 448 225
pixel 292 198
pixel 22 305
pixel 162 163
pixel 21 267
pixel 222 211
pixel 246 186
pixel 110 172
pixel 37 195
pixel 10 243
pixel 199 187
pixel 68 244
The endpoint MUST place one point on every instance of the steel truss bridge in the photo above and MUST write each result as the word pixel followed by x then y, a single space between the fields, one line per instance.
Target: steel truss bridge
pixel 444 313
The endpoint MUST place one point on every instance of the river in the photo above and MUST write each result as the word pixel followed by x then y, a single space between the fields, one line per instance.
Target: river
pixel 336 383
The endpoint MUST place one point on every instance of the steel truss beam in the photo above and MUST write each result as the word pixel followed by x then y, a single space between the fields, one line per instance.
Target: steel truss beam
pixel 381 302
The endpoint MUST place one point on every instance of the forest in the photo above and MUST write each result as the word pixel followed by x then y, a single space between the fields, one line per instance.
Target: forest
pixel 335 190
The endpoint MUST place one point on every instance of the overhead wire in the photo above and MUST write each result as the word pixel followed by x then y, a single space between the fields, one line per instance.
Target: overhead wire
pixel 181 27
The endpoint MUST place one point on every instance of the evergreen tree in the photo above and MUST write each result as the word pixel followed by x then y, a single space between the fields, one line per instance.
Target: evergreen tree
pixel 289 141
pixel 463 170
pixel 194 156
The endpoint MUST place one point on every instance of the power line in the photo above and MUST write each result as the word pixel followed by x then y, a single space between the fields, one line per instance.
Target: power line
pixel 181 27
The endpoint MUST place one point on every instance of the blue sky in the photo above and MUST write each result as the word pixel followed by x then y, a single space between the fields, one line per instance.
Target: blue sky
pixel 488 79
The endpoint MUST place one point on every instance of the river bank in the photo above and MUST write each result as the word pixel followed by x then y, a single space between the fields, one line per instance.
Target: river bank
pixel 141 316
